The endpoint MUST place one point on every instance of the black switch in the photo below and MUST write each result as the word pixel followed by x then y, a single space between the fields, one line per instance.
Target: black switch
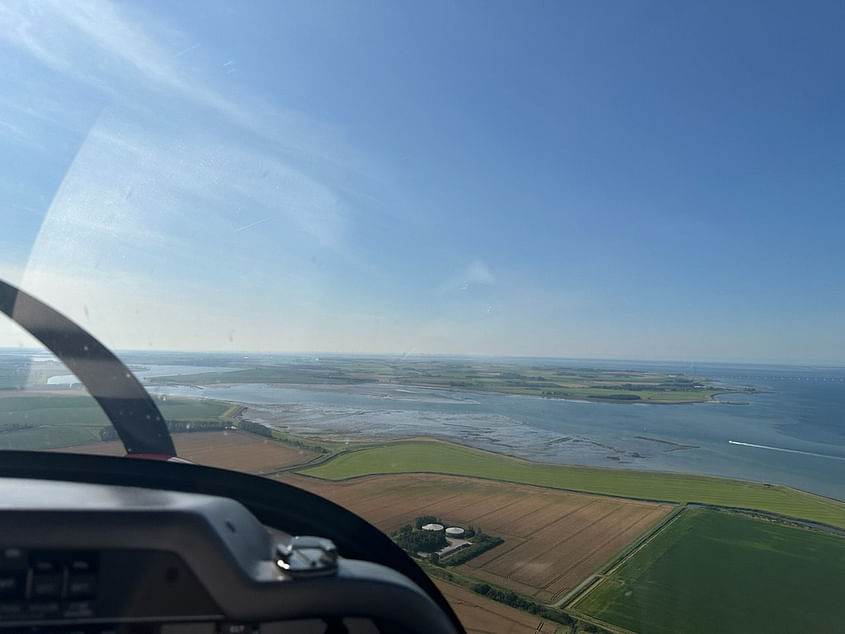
pixel 10 610
pixel 46 586
pixel 81 586
pixel 44 609
pixel 41 564
pixel 12 558
pixel 82 562
pixel 78 610
pixel 11 585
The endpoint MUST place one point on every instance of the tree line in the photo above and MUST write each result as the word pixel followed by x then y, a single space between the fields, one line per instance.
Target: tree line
pixel 176 427
pixel 511 598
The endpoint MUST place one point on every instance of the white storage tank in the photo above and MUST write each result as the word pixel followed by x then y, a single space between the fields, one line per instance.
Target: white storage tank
pixel 433 527
pixel 455 531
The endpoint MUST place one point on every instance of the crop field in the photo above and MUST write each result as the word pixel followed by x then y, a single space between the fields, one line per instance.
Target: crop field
pixel 485 616
pixel 235 450
pixel 722 571
pixel 553 539
pixel 45 420
pixel 430 456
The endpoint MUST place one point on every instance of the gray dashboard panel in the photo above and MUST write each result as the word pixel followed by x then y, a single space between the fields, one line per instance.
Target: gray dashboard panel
pixel 227 554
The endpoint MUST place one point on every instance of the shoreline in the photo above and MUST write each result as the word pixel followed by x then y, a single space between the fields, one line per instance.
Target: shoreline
pixel 350 388
pixel 597 474
pixel 582 439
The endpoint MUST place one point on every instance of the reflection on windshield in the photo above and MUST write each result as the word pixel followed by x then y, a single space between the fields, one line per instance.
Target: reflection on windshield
pixel 563 280
pixel 42 406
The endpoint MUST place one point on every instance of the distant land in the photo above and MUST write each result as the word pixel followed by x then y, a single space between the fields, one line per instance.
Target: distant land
pixel 589 384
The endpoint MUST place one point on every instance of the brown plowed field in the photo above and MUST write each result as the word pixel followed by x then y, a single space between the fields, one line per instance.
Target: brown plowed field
pixel 234 450
pixel 484 616
pixel 553 539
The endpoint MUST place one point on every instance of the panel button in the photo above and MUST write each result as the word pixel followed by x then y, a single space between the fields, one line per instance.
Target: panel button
pixel 82 562
pixel 46 586
pixel 44 564
pixel 81 586
pixel 9 610
pixel 78 609
pixel 11 585
pixel 12 558
pixel 44 609
pixel 235 628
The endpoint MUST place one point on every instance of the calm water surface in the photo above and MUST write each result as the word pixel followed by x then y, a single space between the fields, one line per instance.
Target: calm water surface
pixel 797 423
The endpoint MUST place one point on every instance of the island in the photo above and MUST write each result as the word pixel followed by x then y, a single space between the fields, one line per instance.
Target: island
pixel 530 379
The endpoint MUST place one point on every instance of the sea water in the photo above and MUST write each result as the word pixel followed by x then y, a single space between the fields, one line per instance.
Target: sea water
pixel 790 432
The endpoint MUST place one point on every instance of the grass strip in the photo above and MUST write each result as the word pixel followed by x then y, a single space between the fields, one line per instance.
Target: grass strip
pixel 434 456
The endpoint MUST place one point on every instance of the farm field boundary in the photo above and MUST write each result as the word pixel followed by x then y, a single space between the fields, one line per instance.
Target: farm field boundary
pixel 434 456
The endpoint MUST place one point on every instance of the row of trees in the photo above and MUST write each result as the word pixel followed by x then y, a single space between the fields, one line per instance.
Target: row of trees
pixel 176 427
pixel 422 520
pixel 263 430
pixel 511 598
pixel 185 426
pixel 255 428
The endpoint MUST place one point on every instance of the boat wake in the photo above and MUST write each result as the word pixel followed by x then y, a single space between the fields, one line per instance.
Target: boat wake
pixel 805 453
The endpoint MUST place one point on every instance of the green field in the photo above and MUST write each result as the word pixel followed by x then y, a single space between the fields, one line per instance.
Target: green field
pixel 549 381
pixel 51 422
pixel 18 372
pixel 717 571
pixel 440 457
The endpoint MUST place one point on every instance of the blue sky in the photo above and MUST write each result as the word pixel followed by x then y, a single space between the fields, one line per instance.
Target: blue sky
pixel 652 180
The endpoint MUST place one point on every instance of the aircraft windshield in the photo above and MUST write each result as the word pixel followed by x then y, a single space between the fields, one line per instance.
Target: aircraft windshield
pixel 561 279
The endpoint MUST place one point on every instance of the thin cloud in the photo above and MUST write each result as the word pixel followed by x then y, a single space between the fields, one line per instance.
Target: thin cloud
pixel 143 192
pixel 160 172
pixel 118 51
pixel 61 34
pixel 253 224
pixel 475 273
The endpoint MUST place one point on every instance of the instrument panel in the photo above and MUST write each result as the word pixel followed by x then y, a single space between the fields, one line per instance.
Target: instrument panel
pixel 81 558
pixel 69 585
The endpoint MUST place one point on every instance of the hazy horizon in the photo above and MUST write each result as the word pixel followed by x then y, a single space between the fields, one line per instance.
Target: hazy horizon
pixel 451 356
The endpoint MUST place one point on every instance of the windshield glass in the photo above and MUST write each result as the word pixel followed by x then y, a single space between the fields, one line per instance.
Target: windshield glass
pixel 43 405
pixel 550 293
